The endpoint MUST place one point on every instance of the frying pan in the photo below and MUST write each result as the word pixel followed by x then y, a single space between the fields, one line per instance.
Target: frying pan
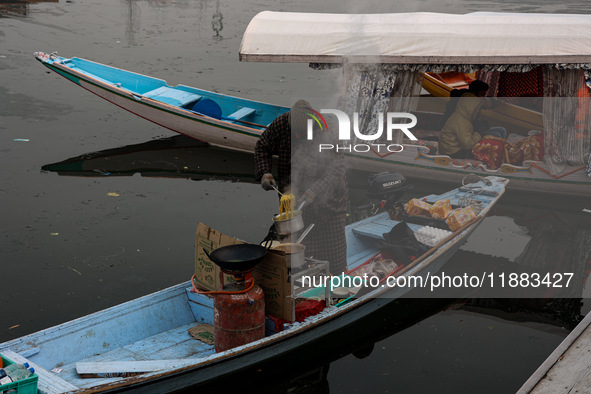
pixel 237 258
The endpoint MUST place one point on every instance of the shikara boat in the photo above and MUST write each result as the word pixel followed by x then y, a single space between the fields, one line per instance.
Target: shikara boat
pixel 144 346
pixel 236 123
pixel 385 56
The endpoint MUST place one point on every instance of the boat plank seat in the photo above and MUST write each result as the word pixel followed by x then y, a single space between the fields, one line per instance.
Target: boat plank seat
pixel 124 368
pixel 241 113
pixel 172 96
pixel 49 383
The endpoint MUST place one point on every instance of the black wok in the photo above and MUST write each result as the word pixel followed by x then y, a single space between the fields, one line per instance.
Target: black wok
pixel 237 258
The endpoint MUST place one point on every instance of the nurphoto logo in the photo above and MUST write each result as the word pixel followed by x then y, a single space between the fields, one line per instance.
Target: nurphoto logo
pixel 344 132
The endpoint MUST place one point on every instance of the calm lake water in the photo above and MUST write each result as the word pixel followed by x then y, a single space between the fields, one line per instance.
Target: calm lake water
pixel 74 242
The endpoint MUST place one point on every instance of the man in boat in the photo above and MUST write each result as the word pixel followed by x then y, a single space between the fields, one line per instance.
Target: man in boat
pixel 462 129
pixel 318 178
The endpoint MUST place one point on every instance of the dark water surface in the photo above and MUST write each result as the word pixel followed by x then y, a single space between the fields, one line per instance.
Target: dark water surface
pixel 74 241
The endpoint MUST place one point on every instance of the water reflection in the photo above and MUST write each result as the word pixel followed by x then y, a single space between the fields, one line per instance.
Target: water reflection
pixel 309 374
pixel 18 7
pixel 385 329
pixel 559 312
pixel 133 21
pixel 553 263
pixel 217 21
pixel 175 157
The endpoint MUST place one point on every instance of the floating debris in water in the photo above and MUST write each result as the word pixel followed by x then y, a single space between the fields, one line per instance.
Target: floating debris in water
pixel 21 140
pixel 75 270
pixel 113 194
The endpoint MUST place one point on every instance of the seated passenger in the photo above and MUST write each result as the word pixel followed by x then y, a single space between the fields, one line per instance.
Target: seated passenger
pixel 461 131
pixel 458 136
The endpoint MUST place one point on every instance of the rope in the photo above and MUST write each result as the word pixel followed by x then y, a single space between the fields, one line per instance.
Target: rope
pixel 473 190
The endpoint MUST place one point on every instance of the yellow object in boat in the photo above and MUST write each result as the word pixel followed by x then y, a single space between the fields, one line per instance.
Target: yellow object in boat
pixel 286 206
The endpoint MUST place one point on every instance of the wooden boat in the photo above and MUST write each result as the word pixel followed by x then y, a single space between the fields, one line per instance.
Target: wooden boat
pixel 372 49
pixel 513 117
pixel 207 116
pixel 148 339
pixel 237 123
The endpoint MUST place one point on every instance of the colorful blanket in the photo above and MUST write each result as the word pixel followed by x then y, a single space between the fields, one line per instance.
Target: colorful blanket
pixel 489 151
pixel 493 151
pixel 530 148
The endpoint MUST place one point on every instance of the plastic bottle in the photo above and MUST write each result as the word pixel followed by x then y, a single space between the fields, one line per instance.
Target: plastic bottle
pixel 13 367
pixel 18 374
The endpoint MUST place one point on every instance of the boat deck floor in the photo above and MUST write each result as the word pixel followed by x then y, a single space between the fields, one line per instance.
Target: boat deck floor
pixel 172 344
pixel 566 370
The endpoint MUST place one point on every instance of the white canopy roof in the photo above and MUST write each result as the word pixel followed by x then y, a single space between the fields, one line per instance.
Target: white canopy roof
pixel 418 38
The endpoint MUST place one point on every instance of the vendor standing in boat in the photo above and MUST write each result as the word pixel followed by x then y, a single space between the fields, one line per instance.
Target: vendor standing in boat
pixel 318 178
pixel 461 130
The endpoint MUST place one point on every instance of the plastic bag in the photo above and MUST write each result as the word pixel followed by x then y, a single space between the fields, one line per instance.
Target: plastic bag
pixel 440 209
pixel 418 207
pixel 381 267
pixel 459 217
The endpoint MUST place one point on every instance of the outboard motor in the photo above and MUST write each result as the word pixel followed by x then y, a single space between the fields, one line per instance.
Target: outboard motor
pixel 385 191
pixel 387 188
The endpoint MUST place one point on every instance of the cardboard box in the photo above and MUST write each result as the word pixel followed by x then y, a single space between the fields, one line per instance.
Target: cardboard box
pixel 271 274
pixel 207 274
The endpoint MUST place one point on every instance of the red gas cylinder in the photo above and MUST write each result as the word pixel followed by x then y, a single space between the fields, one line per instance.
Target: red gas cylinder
pixel 238 319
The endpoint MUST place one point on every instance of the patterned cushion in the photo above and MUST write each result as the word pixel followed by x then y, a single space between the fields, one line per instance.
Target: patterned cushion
pixel 530 148
pixel 490 152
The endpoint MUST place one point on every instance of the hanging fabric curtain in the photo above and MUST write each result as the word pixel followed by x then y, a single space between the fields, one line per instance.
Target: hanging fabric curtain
pixel 492 79
pixel 567 124
pixel 372 90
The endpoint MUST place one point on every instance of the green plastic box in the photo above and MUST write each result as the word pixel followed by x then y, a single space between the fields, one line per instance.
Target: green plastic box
pixel 25 386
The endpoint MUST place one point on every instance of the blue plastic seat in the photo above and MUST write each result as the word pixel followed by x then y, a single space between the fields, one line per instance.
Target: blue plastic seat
pixel 209 108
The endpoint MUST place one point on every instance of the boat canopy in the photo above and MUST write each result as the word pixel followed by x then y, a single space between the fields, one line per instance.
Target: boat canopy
pixel 419 38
